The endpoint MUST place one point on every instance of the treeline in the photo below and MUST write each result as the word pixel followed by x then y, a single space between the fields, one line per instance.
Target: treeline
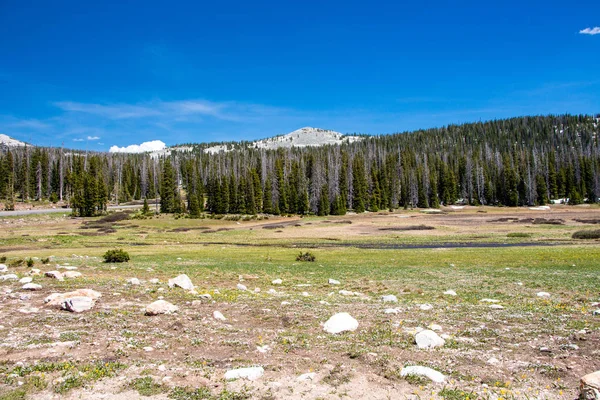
pixel 513 162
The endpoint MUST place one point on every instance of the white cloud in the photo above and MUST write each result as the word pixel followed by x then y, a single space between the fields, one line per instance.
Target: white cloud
pixel 78 140
pixel 154 145
pixel 93 138
pixel 590 31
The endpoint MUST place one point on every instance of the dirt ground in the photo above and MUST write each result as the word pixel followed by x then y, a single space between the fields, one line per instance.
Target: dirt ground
pixel 533 347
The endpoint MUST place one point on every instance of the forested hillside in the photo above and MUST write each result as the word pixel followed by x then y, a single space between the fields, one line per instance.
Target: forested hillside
pixel 518 161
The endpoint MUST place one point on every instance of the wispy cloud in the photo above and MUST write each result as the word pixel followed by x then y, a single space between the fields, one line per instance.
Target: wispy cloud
pixel 78 140
pixel 93 138
pixel 590 31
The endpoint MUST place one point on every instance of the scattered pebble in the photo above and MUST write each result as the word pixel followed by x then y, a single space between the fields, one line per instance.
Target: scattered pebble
pixel 340 322
pixel 427 372
pixel 251 373
pixel 389 298
pixel 219 316
pixel 428 339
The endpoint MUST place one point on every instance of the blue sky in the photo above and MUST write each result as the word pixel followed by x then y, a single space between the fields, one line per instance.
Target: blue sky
pixel 97 74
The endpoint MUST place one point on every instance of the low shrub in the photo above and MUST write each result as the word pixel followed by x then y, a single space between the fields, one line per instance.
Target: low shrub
pixel 518 235
pixel 45 260
pixel 595 234
pixel 3 259
pixel 307 256
pixel 116 256
pixel 30 262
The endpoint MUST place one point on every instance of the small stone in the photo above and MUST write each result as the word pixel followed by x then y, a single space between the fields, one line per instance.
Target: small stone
pixel 27 279
pixel 134 282
pixel 251 373
pixel 493 361
pixel 31 286
pixel 305 294
pixel 3 268
pixel 9 277
pixel 543 294
pixel 427 372
pixel 148 349
pixel 391 310
pixel 428 339
pixel 490 301
pixel 309 376
pixel 545 349
pixel 72 274
pixel 450 293
pixel 256 290
pixel 154 281
pixel 205 296
pixel 272 291
pixel 333 282
pixel 182 281
pixel 219 316
pixel 340 322
pixel 263 349
pixel 241 287
pixel 276 281
pixel 389 298
pixel 435 327
pixel 496 307
pixel 285 303
pixel 426 307
pixel 161 307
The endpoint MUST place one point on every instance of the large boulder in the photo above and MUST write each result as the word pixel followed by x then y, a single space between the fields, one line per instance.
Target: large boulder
pixel 78 304
pixel 161 307
pixel 31 286
pixel 340 322
pixel 71 274
pixel 56 299
pixel 183 281
pixel 428 339
pixel 9 277
pixel 590 386
pixel 54 275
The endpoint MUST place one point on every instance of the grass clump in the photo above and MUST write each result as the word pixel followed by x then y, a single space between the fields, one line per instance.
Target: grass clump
pixel 147 387
pixel 116 256
pixel 30 262
pixel 3 259
pixel 595 234
pixel 306 256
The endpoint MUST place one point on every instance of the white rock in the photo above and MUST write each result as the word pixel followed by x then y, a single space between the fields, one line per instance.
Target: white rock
pixel 309 376
pixel 435 327
pixel 346 293
pixel 251 373
pixel 426 307
pixel 285 303
pixel 31 286
pixel 493 361
pixel 340 322
pixel 428 339
pixel 27 279
pixel 72 274
pixel 427 372
pixel 78 304
pixel 161 307
pixel 148 349
pixel 520 283
pixel 450 292
pixel 3 268
pixel 9 277
pixel 590 386
pixel 272 291
pixel 54 275
pixel 263 349
pixel 389 298
pixel 182 281
pixel 333 282
pixel 496 307
pixel 276 281
pixel 305 294
pixel 134 282
pixel 34 272
pixel 256 290
pixel 241 287
pixel 219 316
pixel 391 311
pixel 56 299
pixel 490 301
pixel 543 294
pixel 205 296
pixel 154 281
